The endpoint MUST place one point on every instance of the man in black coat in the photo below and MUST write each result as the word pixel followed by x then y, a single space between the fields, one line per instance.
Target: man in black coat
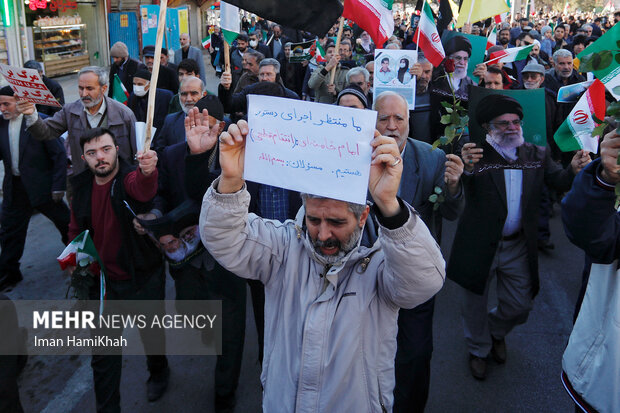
pixel 52 85
pixel 35 175
pixel 138 99
pixel 123 66
pixel 497 232
pixel 167 77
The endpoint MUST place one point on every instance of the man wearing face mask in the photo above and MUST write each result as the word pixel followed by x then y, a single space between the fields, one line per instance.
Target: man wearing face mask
pixel 173 130
pixel 138 99
pixel 257 44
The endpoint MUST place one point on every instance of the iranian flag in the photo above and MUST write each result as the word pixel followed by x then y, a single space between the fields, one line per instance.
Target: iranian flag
pixel 229 22
pixel 576 131
pixel 502 17
pixel 120 92
pixel 318 52
pixel 510 55
pixel 429 40
pixel 82 251
pixel 374 16
pixel 492 39
pixel 206 42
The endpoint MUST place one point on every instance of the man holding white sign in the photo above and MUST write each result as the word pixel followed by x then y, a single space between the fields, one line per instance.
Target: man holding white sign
pixel 335 300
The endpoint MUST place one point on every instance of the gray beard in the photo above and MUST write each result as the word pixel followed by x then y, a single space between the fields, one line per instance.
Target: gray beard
pixel 345 248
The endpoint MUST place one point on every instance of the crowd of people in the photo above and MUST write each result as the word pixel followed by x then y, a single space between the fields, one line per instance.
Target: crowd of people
pixel 343 294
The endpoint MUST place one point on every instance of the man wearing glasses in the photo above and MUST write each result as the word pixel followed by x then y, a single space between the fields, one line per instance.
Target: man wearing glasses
pixel 497 232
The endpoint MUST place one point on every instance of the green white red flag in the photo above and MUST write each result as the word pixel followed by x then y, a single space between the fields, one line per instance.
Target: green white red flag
pixel 229 22
pixel 576 131
pixel 430 42
pixel 492 39
pixel 374 16
pixel 319 52
pixel 206 42
pixel 120 92
pixel 82 251
pixel 512 54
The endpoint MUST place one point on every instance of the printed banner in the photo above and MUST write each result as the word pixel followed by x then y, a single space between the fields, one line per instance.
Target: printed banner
pixel 392 73
pixel 28 85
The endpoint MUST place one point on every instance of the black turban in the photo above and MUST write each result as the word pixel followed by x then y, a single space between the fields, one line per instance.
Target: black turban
pixel 495 105
pixel 7 91
pixel 213 105
pixel 458 43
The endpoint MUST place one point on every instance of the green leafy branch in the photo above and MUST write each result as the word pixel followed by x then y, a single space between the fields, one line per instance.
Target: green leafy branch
pixel 455 119
pixel 436 198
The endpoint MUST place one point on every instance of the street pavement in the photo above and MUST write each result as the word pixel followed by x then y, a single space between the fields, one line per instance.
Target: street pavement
pixel 528 382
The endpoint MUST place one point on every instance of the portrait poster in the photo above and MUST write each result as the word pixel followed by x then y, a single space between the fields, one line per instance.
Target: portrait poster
pixel 392 73
pixel 478 49
pixel 534 121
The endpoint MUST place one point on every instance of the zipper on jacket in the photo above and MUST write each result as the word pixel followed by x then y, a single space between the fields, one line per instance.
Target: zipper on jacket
pixel 383 409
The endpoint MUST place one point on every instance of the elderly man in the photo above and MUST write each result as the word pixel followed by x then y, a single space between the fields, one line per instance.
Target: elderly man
pixel 268 71
pixel 424 171
pixel 173 131
pixel 138 99
pixel 318 310
pixel 123 66
pixel 352 97
pixel 187 51
pixel 497 232
pixel 167 78
pixel 360 77
pixel 92 110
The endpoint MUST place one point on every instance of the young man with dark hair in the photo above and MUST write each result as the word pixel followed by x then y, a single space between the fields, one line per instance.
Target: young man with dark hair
pixel 133 264
pixel 187 68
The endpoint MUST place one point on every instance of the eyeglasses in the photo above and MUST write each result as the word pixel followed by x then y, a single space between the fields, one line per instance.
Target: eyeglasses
pixel 360 84
pixel 460 58
pixel 503 124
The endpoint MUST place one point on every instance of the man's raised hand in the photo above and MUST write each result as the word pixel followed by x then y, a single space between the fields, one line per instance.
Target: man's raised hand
pixel 147 161
pixel 25 107
pixel 609 154
pixel 232 156
pixel 386 169
pixel 200 136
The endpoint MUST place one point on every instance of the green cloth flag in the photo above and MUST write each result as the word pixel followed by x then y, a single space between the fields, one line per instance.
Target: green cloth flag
pixel 606 63
pixel 229 22
pixel 120 93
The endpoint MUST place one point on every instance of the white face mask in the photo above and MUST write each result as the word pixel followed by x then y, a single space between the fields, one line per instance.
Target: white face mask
pixel 253 43
pixel 139 90
pixel 403 64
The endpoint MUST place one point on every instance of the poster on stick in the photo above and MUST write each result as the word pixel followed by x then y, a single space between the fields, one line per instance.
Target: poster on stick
pixel 309 147
pixel 28 85
pixel 392 73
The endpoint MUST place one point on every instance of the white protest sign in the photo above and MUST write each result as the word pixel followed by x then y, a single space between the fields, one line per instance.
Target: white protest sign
pixel 392 73
pixel 309 147
pixel 28 85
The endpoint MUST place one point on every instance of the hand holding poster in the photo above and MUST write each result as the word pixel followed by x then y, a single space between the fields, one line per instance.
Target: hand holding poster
pixel 28 85
pixel 309 147
pixel 392 73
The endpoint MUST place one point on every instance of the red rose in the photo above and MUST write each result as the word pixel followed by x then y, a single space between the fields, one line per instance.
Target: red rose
pixel 448 64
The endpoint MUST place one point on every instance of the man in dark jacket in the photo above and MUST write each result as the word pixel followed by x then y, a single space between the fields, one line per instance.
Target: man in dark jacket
pixel 51 84
pixel 35 175
pixel 167 77
pixel 138 99
pixel 123 66
pixel 497 232
pixel 133 264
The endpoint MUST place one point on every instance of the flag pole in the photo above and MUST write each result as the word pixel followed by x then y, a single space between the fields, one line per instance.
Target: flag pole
pixel 226 57
pixel 471 10
pixel 417 40
pixel 161 25
pixel 336 51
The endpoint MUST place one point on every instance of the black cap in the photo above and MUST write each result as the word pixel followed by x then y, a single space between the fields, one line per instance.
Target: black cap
pixel 458 43
pixel 353 90
pixel 495 105
pixel 6 91
pixel 143 74
pixel 148 51
pixel 213 105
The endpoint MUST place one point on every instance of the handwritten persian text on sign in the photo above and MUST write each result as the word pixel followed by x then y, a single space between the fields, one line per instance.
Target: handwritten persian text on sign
pixel 28 85
pixel 309 147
